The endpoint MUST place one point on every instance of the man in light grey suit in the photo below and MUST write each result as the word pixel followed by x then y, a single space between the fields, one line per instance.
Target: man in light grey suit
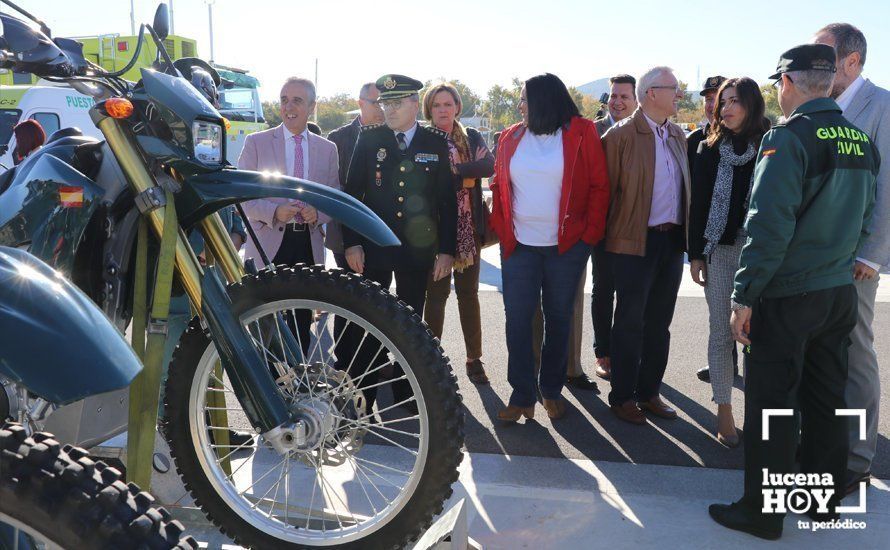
pixel 868 107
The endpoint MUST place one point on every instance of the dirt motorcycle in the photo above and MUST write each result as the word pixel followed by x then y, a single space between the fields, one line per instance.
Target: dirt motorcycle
pixel 324 467
pixel 49 493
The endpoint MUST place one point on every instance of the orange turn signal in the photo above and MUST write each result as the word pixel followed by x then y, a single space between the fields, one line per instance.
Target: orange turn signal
pixel 118 107
pixel 227 124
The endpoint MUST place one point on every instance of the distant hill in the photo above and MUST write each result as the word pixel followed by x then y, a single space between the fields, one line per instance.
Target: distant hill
pixel 595 89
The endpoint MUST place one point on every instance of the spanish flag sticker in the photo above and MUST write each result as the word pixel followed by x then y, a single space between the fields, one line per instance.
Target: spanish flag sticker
pixel 769 152
pixel 71 197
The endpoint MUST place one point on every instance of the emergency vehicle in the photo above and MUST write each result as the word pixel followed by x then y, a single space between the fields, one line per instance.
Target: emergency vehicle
pixel 23 96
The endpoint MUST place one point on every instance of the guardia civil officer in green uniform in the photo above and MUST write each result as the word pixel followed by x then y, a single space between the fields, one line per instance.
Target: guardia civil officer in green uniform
pixel 794 303
pixel 401 171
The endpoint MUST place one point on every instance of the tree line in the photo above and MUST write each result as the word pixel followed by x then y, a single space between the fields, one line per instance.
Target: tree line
pixel 500 106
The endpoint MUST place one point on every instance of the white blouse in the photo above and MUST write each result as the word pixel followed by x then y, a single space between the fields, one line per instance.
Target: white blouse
pixel 536 172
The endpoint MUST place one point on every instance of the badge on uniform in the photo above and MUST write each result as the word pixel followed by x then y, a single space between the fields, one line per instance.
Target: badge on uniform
pixel 378 178
pixel 426 157
pixel 381 154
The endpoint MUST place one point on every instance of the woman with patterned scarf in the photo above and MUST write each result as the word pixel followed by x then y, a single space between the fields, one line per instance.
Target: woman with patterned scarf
pixel 470 162
pixel 721 188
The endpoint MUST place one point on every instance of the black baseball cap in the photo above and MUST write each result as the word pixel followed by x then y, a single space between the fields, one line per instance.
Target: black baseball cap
pixel 806 57
pixel 711 83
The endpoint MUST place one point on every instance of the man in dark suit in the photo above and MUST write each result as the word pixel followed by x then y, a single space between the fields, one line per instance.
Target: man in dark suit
pixel 622 103
pixel 345 137
pixel 402 172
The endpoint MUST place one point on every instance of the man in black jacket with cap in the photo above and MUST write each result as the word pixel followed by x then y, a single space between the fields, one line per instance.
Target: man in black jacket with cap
pixel 402 172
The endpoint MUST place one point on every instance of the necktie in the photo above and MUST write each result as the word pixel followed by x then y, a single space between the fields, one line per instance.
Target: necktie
pixel 298 156
pixel 298 169
pixel 403 145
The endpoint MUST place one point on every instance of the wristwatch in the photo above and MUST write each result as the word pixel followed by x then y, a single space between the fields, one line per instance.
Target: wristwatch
pixel 735 306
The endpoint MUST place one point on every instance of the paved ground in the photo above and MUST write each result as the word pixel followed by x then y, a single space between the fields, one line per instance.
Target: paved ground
pixel 590 430
pixel 590 480
pixel 537 503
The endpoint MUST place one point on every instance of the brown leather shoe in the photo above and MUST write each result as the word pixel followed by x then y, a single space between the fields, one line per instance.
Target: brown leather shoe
pixel 658 407
pixel 629 412
pixel 513 413
pixel 603 368
pixel 556 408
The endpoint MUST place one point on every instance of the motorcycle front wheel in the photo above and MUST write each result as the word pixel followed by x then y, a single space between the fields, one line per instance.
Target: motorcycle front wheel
pixel 60 498
pixel 382 426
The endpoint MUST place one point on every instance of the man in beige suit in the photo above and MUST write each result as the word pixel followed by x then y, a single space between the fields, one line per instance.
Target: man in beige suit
pixel 290 232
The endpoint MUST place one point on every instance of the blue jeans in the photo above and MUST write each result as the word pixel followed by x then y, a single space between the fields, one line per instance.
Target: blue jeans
pixel 533 273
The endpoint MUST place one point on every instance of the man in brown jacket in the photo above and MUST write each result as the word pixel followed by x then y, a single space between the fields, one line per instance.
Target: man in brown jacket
pixel 649 177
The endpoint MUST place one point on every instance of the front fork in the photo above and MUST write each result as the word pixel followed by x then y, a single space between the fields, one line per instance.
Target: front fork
pixel 251 379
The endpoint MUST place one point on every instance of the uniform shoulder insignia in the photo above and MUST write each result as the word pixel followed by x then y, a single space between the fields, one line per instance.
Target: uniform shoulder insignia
pixel 435 131
pixel 366 127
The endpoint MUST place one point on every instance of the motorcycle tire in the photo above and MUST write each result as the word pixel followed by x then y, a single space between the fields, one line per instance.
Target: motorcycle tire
pixel 60 495
pixel 404 329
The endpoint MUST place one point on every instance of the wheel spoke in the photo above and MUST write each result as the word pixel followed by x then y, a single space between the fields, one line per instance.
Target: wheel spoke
pixel 234 450
pixel 391 407
pixel 262 477
pixel 269 490
pixel 221 383
pixel 399 487
pixel 336 494
pixel 287 489
pixel 406 449
pixel 361 483
pixel 355 495
pixel 385 467
pixel 370 427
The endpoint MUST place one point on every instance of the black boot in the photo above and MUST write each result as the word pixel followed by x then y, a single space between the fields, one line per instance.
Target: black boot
pixel 740 518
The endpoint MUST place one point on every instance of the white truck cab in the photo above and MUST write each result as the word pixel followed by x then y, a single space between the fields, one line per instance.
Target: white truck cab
pixel 58 106
pixel 53 107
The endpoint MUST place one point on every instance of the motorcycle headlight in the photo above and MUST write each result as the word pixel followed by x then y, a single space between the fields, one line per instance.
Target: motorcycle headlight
pixel 208 140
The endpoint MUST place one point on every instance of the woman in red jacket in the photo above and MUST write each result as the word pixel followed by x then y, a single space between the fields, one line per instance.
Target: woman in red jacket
pixel 551 193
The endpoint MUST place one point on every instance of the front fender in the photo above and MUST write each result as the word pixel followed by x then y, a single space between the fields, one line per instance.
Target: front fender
pixel 204 194
pixel 53 339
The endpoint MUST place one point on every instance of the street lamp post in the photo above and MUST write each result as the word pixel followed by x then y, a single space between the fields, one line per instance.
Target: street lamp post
pixel 210 19
pixel 132 18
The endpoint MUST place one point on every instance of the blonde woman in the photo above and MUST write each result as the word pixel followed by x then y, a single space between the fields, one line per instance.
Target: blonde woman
pixel 470 162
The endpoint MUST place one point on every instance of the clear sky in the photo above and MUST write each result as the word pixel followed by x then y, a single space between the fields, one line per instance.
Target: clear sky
pixel 488 42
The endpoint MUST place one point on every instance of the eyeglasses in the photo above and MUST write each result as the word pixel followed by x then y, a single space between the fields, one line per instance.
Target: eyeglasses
pixel 391 105
pixel 778 83
pixel 676 89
